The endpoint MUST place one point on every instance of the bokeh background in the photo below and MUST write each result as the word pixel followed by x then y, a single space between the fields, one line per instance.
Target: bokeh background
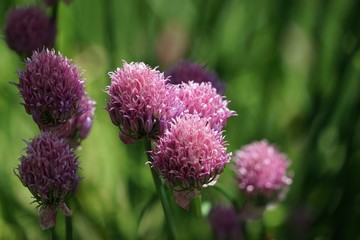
pixel 292 70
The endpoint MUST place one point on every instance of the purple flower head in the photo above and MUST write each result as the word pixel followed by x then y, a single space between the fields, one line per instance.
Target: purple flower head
pixel 52 88
pixel 225 223
pixel 49 171
pixel 80 125
pixel 140 103
pixel 188 156
pixel 261 172
pixel 202 99
pixel 51 3
pixel 28 29
pixel 186 71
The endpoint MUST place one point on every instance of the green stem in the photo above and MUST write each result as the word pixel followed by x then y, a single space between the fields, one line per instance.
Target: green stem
pixel 197 206
pixel 68 225
pixel 52 233
pixel 162 194
pixel 54 12
pixel 231 198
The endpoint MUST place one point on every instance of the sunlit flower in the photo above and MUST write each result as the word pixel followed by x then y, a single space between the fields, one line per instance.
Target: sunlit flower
pixel 189 156
pixel 186 71
pixel 261 172
pixel 28 29
pixel 225 223
pixel 49 171
pixel 202 99
pixel 139 104
pixel 52 88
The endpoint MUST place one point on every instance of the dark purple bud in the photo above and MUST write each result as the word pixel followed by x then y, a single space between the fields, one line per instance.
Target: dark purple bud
pixel 28 29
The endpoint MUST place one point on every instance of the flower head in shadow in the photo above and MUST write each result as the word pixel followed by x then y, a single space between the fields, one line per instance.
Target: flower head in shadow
pixel 52 88
pixel 186 71
pixel 225 223
pixel 81 124
pixel 28 29
pixel 49 171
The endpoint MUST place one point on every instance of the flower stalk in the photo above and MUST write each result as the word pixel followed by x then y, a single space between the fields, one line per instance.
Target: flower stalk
pixel 197 206
pixel 162 194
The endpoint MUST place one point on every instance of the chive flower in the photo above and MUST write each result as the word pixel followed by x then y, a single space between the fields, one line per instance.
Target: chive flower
pixel 51 87
pixel 28 29
pixel 203 100
pixel 140 103
pixel 49 170
pixel 261 172
pixel 189 156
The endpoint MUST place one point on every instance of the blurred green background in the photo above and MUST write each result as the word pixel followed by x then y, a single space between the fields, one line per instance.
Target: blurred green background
pixel 292 70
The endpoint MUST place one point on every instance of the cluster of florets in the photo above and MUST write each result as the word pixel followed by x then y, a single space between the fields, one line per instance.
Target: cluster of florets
pixel 201 99
pixel 28 29
pixel 189 156
pixel 140 103
pixel 52 88
pixel 261 172
pixel 49 171
pixel 53 92
pixel 185 120
pixel 186 71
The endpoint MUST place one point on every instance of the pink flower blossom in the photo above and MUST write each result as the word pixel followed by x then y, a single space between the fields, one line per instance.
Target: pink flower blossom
pixel 140 103
pixel 189 156
pixel 261 172
pixel 202 99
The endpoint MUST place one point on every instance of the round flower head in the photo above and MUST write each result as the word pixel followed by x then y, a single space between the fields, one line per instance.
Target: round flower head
pixel 261 172
pixel 28 29
pixel 188 156
pixel 49 171
pixel 139 104
pixel 225 222
pixel 202 99
pixel 51 3
pixel 52 88
pixel 186 71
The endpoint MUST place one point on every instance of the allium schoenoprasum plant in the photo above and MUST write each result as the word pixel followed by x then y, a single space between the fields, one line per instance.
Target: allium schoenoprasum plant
pixel 184 122
pixel 53 92
pixel 180 115
pixel 291 72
